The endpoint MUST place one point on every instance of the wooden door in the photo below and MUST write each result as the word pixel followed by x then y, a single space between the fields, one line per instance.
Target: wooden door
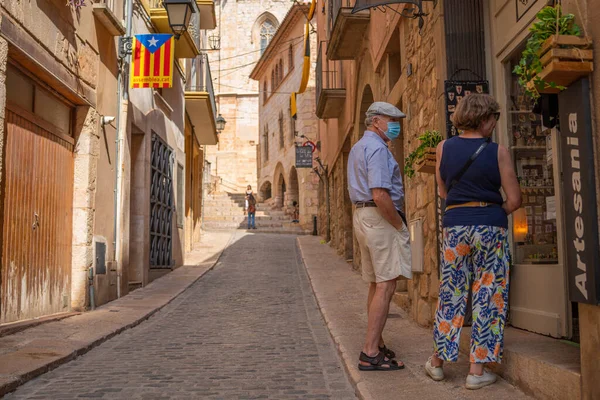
pixel 37 224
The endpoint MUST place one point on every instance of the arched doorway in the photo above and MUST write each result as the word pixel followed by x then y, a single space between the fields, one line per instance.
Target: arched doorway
pixel 280 186
pixel 293 193
pixel 265 191
pixel 367 100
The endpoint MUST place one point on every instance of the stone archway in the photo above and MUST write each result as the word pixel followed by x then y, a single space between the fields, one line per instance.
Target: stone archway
pixel 265 191
pixel 293 193
pixel 280 186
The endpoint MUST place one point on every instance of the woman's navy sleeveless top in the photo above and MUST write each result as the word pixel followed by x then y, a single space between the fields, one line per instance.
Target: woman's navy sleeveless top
pixel 481 182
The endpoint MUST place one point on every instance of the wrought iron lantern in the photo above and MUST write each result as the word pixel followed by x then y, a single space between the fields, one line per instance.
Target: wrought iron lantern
pixel 179 13
pixel 221 123
pixel 214 41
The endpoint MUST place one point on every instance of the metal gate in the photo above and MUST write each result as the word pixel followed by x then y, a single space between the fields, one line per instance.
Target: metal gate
pixel 37 223
pixel 161 204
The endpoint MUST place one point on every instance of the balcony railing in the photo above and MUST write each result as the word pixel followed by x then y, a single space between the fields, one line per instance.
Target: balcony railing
pixel 345 31
pixel 330 88
pixel 334 9
pixel 199 78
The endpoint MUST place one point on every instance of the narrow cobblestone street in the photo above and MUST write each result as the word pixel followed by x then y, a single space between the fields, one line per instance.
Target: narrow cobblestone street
pixel 248 329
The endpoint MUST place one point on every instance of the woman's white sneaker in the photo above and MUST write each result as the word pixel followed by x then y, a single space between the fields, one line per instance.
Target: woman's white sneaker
pixel 435 373
pixel 479 381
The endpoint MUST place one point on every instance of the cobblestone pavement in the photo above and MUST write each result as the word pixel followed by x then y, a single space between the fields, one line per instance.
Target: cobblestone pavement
pixel 249 329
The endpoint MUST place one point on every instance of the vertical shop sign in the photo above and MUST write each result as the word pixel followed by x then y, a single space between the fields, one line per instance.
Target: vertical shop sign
pixel 581 218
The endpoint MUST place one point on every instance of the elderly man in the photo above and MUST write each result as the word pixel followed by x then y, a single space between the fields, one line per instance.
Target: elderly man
pixel 376 190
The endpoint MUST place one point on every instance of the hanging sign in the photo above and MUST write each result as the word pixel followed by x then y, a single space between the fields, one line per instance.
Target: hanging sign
pixel 152 61
pixel 304 157
pixel 455 91
pixel 581 215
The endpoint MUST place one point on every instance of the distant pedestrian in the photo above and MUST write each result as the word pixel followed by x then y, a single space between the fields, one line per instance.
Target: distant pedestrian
pixel 251 212
pixel 376 189
pixel 471 169
pixel 248 193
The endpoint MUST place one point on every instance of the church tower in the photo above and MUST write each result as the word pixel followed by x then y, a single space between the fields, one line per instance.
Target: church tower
pixel 245 29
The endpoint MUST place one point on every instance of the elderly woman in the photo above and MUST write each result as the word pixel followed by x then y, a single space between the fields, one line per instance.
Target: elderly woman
pixel 471 170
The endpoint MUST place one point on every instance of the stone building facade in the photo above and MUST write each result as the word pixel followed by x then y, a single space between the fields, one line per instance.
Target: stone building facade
pixel 383 57
pixel 244 30
pixel 84 159
pixel 279 73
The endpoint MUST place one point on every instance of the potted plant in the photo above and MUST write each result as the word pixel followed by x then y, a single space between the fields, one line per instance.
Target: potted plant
pixel 555 55
pixel 422 159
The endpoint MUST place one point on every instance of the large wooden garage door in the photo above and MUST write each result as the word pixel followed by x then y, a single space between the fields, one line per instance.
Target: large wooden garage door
pixel 37 223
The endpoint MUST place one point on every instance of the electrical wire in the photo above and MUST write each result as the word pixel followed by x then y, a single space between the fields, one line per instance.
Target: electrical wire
pixel 234 69
pixel 259 91
pixel 256 51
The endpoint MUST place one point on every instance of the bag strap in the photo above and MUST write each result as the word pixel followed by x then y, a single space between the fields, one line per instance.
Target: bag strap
pixel 468 164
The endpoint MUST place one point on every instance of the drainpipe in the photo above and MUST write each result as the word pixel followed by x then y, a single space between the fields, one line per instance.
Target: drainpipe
pixel 123 96
pixel 325 179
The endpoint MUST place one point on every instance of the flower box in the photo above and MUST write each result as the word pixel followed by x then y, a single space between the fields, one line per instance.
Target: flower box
pixel 565 59
pixel 426 164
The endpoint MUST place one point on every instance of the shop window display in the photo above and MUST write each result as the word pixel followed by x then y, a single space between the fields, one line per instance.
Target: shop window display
pixel 534 227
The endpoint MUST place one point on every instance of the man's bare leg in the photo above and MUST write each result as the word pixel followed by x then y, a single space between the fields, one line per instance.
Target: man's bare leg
pixel 378 312
pixel 372 288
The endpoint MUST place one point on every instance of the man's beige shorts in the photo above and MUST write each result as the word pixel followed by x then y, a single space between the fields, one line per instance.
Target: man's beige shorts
pixel 385 251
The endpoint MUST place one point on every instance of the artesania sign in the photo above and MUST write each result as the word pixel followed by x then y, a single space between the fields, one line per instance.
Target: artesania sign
pixel 581 217
pixel 152 61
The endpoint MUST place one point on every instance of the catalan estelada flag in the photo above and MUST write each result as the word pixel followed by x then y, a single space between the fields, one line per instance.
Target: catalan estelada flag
pixel 152 61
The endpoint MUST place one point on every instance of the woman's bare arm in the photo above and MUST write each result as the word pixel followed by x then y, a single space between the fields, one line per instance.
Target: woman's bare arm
pixel 510 184
pixel 438 159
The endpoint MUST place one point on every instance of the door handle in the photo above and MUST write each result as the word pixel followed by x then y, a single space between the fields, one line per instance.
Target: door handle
pixel 36 221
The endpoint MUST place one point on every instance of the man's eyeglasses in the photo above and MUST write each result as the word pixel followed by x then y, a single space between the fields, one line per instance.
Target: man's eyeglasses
pixel 496 115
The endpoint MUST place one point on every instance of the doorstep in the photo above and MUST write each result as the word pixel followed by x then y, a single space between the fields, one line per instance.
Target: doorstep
pixel 542 367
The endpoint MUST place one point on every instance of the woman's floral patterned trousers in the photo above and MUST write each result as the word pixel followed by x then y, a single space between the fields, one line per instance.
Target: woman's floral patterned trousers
pixel 481 255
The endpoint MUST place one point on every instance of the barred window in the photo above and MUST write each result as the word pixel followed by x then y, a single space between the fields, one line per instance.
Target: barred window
pixel 281 142
pixel 266 141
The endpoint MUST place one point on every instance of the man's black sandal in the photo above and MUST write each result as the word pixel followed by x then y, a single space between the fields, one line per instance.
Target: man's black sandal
pixel 388 353
pixel 378 363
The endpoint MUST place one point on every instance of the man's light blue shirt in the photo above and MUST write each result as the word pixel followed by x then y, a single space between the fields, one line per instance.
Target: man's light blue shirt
pixel 371 165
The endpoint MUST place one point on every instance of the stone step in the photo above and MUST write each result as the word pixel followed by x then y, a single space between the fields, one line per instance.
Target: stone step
pixel 240 218
pixel 262 229
pixel 215 212
pixel 243 224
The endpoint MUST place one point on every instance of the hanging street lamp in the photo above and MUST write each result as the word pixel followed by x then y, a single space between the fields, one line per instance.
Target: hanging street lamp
pixel 221 122
pixel 179 13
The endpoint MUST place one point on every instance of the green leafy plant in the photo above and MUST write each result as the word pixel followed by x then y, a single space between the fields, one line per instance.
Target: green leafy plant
pixel 428 139
pixel 530 64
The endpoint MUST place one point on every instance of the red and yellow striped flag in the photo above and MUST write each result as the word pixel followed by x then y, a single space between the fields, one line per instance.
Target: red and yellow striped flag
pixel 152 61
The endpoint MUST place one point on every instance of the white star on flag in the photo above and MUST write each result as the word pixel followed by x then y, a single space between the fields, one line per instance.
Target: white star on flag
pixel 152 42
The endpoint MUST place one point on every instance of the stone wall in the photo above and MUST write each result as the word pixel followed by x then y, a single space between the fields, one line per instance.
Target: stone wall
pixel 420 98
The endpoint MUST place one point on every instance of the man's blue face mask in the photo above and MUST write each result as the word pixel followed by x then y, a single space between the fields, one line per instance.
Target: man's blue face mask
pixel 393 130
